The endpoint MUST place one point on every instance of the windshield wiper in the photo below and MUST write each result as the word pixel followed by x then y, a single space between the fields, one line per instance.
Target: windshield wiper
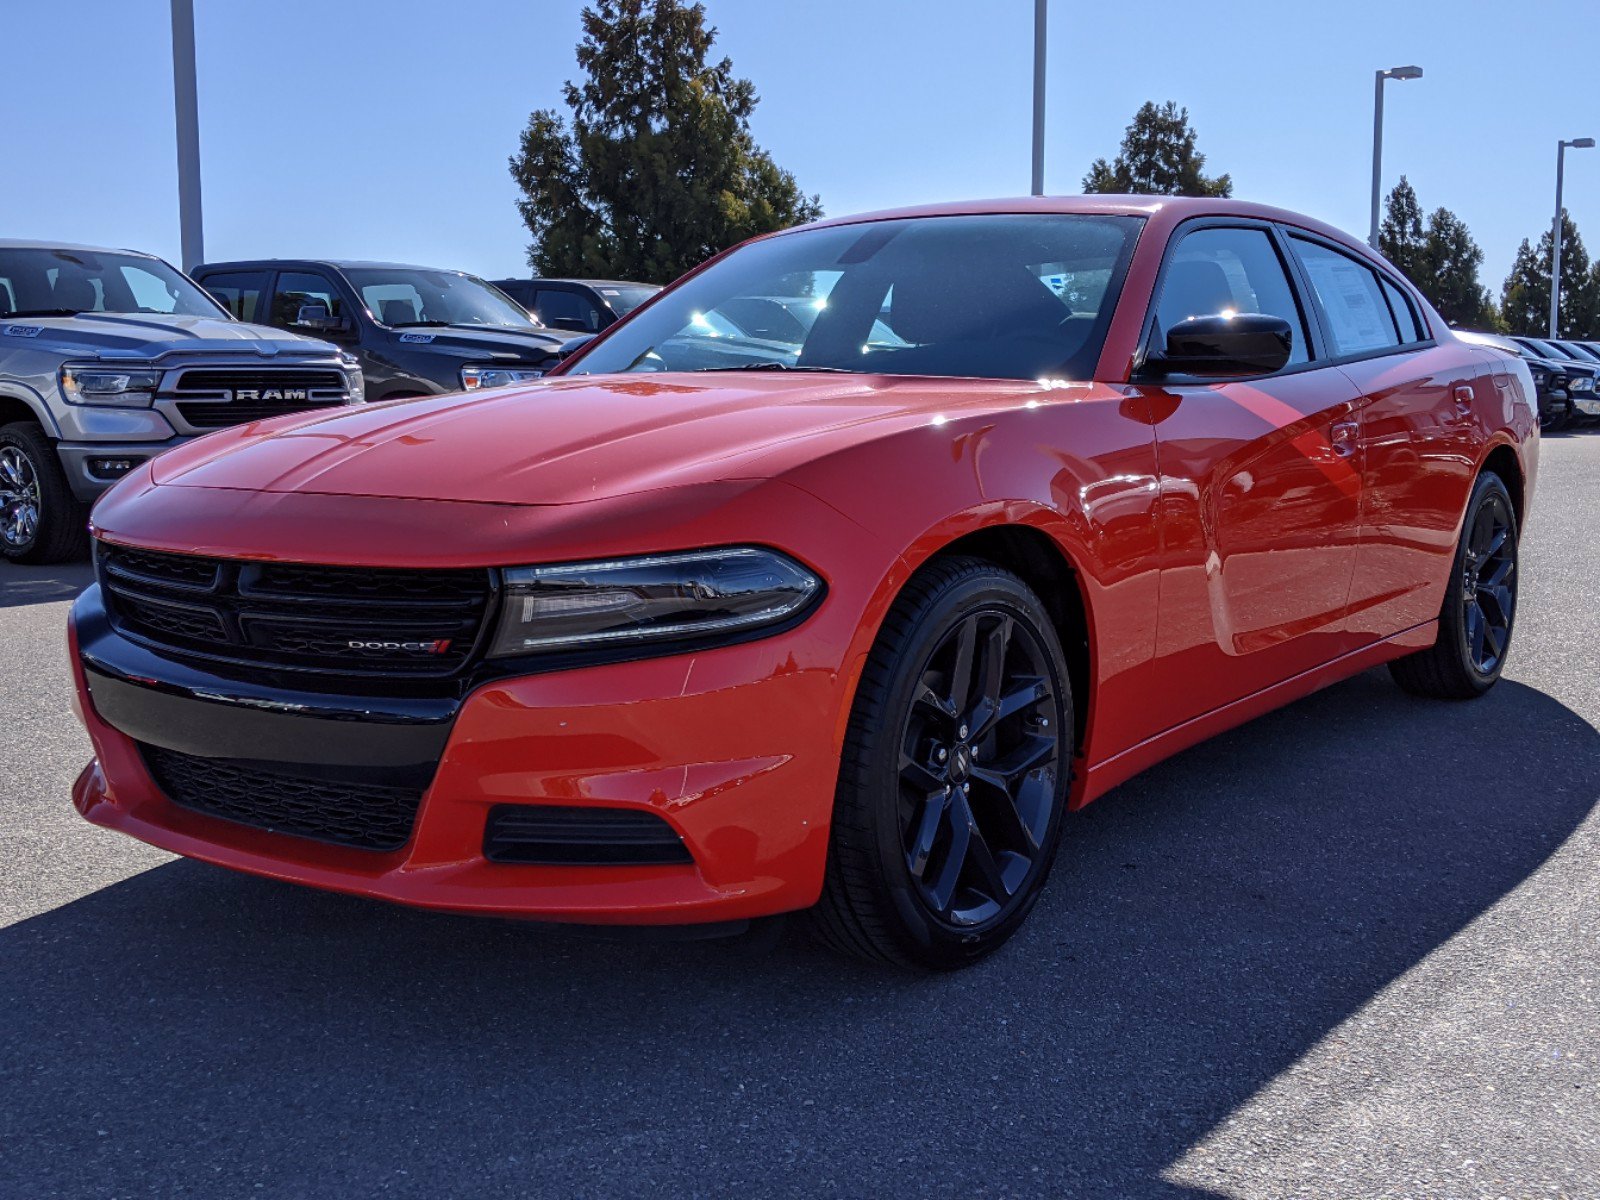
pixel 773 366
pixel 415 324
pixel 44 312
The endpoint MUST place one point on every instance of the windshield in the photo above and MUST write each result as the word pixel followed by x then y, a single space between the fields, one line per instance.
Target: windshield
pixel 406 296
pixel 623 298
pixel 989 297
pixel 40 282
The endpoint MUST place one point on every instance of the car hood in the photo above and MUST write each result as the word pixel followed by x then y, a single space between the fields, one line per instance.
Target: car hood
pixel 151 335
pixel 489 342
pixel 566 440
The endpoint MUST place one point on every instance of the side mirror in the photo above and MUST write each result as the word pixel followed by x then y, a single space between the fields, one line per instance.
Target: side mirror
pixel 572 347
pixel 315 316
pixel 1242 344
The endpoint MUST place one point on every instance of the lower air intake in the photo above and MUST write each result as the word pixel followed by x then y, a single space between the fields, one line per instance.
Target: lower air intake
pixel 596 837
pixel 363 815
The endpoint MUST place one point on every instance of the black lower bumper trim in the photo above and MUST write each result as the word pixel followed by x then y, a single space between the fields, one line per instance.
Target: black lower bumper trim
pixel 561 836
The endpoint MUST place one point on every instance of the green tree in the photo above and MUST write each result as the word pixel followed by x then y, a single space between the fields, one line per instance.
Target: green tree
pixel 656 169
pixel 1400 237
pixel 1158 158
pixel 1525 298
pixel 1449 274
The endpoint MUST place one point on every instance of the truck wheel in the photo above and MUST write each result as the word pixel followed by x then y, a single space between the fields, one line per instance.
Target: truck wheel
pixel 40 519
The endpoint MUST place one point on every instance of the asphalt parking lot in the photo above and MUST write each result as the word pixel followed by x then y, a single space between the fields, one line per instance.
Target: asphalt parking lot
pixel 1350 950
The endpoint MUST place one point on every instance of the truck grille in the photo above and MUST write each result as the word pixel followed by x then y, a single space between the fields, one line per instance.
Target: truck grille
pixel 212 398
pixel 366 816
pixel 351 620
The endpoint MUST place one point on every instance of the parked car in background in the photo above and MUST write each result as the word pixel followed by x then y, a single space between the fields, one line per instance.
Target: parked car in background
pixel 848 627
pixel 578 305
pixel 1549 375
pixel 1583 376
pixel 108 358
pixel 417 331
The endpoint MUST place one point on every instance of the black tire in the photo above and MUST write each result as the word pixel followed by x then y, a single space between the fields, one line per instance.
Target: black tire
pixel 31 479
pixel 1480 604
pixel 923 871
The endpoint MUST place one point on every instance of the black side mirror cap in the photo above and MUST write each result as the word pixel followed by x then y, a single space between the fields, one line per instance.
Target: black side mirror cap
pixel 1221 345
pixel 315 316
pixel 572 347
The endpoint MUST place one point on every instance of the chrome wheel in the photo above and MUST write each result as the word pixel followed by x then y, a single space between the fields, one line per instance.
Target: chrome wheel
pixel 979 760
pixel 1489 584
pixel 19 498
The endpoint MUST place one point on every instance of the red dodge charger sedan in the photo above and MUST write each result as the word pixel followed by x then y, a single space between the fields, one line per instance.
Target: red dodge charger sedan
pixel 830 579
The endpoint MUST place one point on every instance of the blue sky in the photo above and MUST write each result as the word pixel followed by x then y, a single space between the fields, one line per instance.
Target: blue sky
pixel 381 129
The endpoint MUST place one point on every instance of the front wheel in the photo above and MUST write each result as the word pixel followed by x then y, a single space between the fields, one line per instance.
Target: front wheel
pixel 953 780
pixel 40 519
pixel 1480 605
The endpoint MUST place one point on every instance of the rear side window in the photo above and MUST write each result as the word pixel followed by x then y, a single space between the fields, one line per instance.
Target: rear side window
pixel 1405 315
pixel 297 289
pixel 1359 320
pixel 240 292
pixel 567 310
pixel 1217 271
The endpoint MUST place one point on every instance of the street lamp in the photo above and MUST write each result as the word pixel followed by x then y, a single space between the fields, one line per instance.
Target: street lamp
pixel 1555 228
pixel 186 111
pixel 1377 138
pixel 1039 7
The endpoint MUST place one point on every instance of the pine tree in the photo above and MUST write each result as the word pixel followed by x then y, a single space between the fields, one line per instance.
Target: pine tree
pixel 1525 298
pixel 1157 158
pixel 656 169
pixel 1448 273
pixel 1400 237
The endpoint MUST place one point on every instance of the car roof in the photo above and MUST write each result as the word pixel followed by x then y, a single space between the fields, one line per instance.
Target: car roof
pixel 338 264
pixel 1175 208
pixel 26 244
pixel 575 279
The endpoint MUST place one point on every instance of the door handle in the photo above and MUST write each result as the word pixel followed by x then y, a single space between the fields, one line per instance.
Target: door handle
pixel 1342 436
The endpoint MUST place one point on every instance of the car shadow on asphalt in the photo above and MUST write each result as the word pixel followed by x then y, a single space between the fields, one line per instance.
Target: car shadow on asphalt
pixel 192 1031
pixel 21 585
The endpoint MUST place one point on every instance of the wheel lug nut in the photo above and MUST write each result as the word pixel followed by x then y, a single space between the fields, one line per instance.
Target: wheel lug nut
pixel 962 732
pixel 942 754
pixel 966 788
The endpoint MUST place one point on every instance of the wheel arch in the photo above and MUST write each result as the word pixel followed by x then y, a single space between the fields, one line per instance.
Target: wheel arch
pixel 1502 460
pixel 1027 549
pixel 23 408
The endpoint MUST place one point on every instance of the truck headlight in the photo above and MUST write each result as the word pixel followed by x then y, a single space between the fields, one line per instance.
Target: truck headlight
pixel 355 384
pixel 474 378
pixel 117 386
pixel 1581 383
pixel 657 598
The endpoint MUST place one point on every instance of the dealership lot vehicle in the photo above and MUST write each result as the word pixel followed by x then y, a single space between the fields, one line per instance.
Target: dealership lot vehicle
pixel 846 629
pixel 1549 372
pixel 579 305
pixel 1582 370
pixel 417 331
pixel 109 357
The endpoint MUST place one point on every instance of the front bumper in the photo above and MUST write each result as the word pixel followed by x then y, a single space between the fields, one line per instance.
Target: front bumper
pixel 734 748
pixel 85 463
pixel 1586 403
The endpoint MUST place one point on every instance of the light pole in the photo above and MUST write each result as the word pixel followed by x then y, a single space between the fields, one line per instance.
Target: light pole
pixel 186 111
pixel 1555 229
pixel 1377 138
pixel 1039 7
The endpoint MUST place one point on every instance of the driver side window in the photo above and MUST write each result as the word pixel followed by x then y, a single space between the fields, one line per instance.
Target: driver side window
pixel 1215 271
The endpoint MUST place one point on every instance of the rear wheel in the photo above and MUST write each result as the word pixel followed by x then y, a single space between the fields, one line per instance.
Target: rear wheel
pixel 953 781
pixel 1480 606
pixel 40 519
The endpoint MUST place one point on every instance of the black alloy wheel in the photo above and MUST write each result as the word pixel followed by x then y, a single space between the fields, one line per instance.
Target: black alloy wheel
pixel 1480 605
pixel 953 781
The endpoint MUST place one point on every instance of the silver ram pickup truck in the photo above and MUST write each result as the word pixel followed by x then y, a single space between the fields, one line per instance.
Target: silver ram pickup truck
pixel 109 357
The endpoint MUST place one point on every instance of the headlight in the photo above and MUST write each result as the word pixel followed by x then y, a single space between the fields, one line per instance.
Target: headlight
pixel 120 387
pixel 355 384
pixel 477 378
pixel 704 592
pixel 1582 383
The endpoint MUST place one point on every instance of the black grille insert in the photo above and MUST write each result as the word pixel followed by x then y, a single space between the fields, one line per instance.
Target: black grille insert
pixel 215 398
pixel 560 836
pixel 383 622
pixel 362 815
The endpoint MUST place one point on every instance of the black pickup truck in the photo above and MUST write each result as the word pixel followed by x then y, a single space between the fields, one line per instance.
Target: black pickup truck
pixel 417 331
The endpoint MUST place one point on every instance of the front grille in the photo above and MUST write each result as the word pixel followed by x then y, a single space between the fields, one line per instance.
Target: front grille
pixel 563 836
pixel 212 398
pixel 362 815
pixel 353 620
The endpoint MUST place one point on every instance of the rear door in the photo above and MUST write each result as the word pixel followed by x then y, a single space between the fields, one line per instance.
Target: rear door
pixel 1260 482
pixel 1418 434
